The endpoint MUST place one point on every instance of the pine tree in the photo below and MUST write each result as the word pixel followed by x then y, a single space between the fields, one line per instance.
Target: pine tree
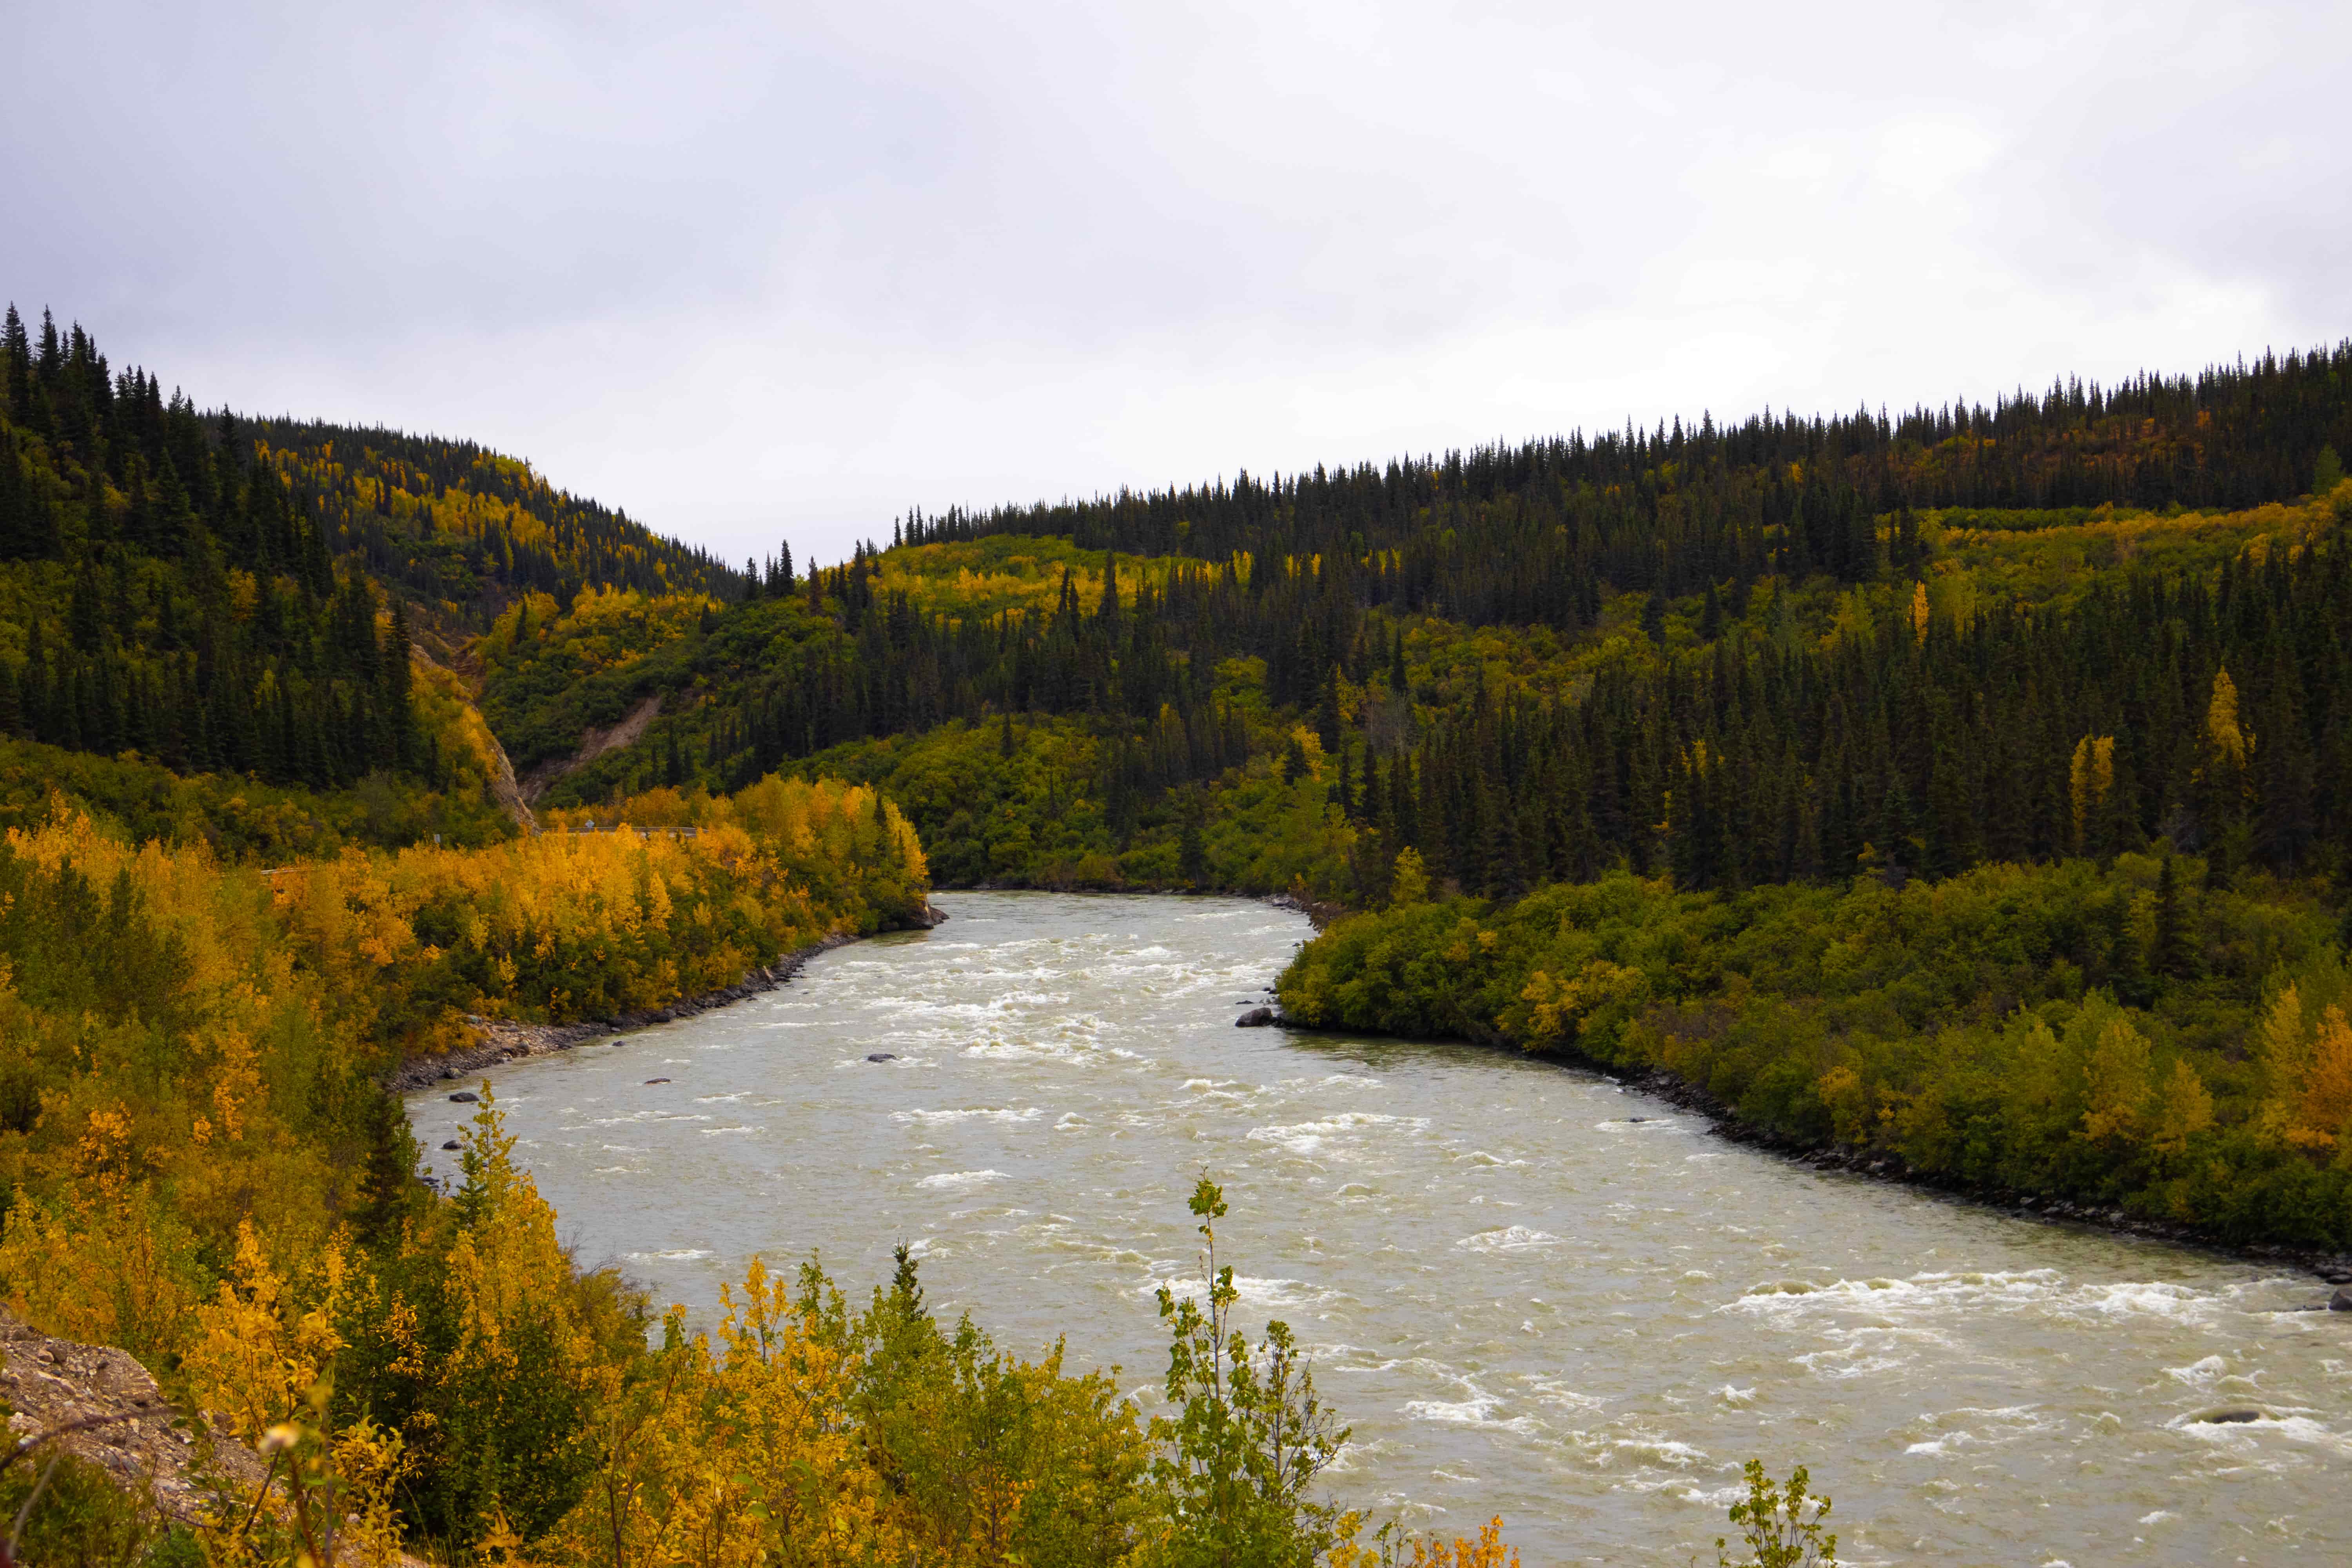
pixel 1326 711
pixel 1192 854
pixel 16 373
pixel 398 684
pixel 2283 774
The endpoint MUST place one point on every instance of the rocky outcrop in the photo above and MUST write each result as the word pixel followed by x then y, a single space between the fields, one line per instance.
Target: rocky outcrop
pixel 1256 1018
pixel 103 1408
pixel 1321 911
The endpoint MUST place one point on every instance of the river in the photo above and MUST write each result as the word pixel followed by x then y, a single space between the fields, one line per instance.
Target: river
pixel 1531 1292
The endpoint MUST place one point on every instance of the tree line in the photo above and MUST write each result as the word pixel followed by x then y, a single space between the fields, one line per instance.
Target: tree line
pixel 2215 716
pixel 1517 534
pixel 225 594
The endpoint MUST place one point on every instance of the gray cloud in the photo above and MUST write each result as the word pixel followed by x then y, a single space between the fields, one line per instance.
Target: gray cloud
pixel 769 269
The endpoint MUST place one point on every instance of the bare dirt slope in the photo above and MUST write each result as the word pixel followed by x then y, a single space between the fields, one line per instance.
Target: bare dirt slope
pixel 594 743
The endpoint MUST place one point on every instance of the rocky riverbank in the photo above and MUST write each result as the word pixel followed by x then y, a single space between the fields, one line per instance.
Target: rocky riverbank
pixel 1724 1123
pixel 2335 1267
pixel 501 1040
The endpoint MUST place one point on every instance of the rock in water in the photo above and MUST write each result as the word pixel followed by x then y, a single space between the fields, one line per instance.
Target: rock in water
pixel 2232 1416
pixel 652 1080
pixel 1256 1018
pixel 451 1145
pixel 2342 1301
pixel 880 1056
pixel 465 1097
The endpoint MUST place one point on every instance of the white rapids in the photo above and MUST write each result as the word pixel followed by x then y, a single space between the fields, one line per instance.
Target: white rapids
pixel 1524 1301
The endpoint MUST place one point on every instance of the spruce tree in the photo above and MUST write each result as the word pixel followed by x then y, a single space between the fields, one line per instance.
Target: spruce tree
pixel 16 372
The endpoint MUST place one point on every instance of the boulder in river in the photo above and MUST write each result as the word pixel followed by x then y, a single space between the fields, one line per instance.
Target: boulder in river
pixel 1256 1018
pixel 881 1057
pixel 451 1145
pixel 2342 1301
pixel 465 1097
pixel 652 1080
pixel 2231 1416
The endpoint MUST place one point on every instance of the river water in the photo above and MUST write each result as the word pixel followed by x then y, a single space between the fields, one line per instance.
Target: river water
pixel 1530 1291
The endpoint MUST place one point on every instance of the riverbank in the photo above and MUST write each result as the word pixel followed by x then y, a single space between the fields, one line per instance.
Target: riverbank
pixel 1724 1123
pixel 2333 1268
pixel 1321 912
pixel 501 1040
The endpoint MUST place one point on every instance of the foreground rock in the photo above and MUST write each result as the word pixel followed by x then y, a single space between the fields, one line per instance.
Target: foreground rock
pixel 1256 1018
pixel 115 1418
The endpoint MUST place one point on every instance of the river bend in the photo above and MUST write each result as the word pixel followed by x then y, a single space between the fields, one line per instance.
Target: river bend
pixel 1530 1291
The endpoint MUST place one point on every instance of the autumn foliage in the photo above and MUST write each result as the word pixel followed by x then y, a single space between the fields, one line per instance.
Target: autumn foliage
pixel 193 1041
pixel 2128 1036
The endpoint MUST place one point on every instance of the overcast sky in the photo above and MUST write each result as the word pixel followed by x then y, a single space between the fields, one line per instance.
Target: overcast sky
pixel 784 270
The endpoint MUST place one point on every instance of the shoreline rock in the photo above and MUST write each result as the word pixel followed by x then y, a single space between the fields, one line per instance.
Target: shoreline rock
pixel 501 1040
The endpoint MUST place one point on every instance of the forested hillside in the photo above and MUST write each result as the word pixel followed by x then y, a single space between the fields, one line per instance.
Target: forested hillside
pixel 463 528
pixel 1769 717
pixel 2087 656
pixel 1522 534
pixel 190 596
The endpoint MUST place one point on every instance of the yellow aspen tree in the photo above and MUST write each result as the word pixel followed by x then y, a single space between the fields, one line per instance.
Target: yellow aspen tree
pixel 2228 737
pixel 2184 1108
pixel 2118 1077
pixel 2283 1047
pixel 1842 1091
pixel 507 1266
pixel 1410 884
pixel 1919 611
pixel 258 1352
pixel 1560 1007
pixel 2325 1112
pixel 2088 779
